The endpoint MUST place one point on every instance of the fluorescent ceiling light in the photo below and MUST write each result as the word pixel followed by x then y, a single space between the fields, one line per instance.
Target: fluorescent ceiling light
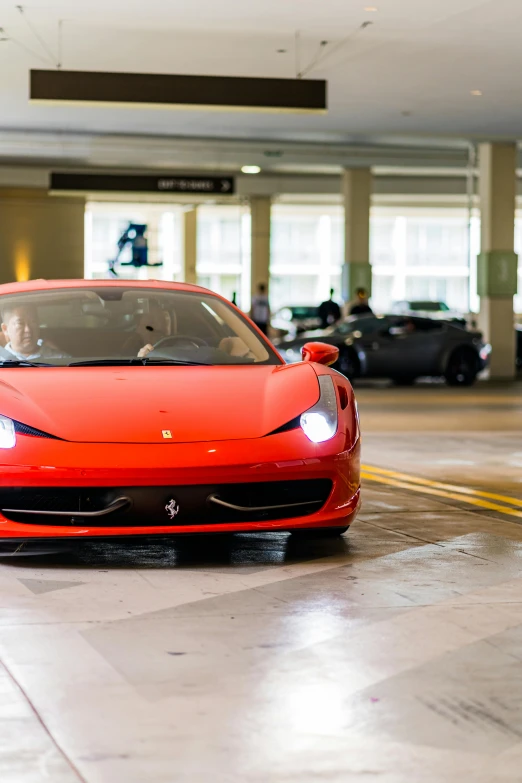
pixel 250 169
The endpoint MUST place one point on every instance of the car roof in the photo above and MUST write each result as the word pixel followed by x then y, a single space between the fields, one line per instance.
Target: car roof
pixel 394 317
pixel 51 285
pixel 299 307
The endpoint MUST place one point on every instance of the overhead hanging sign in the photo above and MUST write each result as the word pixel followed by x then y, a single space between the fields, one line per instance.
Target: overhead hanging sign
pixel 142 183
pixel 178 90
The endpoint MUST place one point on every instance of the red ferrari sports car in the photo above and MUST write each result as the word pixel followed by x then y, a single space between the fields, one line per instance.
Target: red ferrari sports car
pixel 142 408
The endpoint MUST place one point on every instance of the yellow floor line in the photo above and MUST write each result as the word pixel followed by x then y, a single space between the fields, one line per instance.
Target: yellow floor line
pixel 427 490
pixel 439 485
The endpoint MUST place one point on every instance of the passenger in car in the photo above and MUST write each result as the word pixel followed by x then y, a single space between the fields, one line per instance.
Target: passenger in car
pixel 21 332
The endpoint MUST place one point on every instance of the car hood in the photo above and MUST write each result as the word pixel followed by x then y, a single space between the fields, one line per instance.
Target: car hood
pixel 135 404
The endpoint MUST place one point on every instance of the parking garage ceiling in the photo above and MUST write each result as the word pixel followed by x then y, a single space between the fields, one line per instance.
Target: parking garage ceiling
pixel 419 71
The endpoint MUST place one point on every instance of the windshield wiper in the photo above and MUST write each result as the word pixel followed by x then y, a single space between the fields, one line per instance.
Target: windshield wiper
pixel 187 362
pixel 25 363
pixel 106 363
pixel 134 362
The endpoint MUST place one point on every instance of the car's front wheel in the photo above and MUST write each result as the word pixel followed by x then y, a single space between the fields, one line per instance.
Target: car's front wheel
pixel 462 368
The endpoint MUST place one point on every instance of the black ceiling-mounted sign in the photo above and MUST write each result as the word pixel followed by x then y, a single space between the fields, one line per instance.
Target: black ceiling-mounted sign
pixel 143 183
pixel 178 90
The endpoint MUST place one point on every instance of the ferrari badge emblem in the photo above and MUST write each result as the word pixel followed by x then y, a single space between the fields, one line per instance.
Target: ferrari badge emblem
pixel 166 433
pixel 172 508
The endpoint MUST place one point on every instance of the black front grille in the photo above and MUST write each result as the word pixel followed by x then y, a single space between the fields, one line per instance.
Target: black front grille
pixel 177 505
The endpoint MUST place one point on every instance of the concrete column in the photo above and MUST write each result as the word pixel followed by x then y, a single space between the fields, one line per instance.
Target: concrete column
pixel 497 262
pixel 40 235
pixel 260 245
pixel 190 245
pixel 357 272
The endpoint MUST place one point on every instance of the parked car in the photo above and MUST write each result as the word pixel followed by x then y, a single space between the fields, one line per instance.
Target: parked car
pixel 295 319
pixel 427 309
pixel 402 348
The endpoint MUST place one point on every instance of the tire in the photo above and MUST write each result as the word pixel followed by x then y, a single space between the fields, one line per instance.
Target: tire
pixel 462 368
pixel 321 532
pixel 348 364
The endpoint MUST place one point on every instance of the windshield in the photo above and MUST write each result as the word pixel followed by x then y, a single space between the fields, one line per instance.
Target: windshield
pixel 304 312
pixel 429 306
pixel 365 325
pixel 118 324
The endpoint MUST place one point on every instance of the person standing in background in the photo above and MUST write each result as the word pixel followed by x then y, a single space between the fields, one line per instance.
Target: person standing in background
pixel 361 306
pixel 329 311
pixel 260 310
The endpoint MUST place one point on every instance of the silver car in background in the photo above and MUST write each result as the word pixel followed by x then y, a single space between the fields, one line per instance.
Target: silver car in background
pixel 424 308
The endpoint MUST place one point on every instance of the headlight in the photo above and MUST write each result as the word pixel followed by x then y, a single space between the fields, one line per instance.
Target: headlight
pixel 320 422
pixel 7 433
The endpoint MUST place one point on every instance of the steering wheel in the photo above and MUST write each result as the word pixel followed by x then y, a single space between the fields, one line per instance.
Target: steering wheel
pixel 194 342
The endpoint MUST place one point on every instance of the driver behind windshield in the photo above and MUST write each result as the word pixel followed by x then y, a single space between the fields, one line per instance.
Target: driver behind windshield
pixel 21 332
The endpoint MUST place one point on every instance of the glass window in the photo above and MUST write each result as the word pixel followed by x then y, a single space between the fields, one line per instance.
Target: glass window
pixel 105 225
pixel 364 325
pixel 294 239
pixel 382 251
pixel 426 288
pixel 337 240
pixel 219 235
pixel 436 242
pixel 382 292
pixel 290 290
pixel 116 324
pixel 223 251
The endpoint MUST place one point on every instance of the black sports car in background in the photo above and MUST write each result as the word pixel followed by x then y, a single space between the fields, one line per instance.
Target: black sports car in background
pixel 428 309
pixel 402 348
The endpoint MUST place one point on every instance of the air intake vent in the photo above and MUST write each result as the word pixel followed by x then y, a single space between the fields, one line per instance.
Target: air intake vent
pixel 290 425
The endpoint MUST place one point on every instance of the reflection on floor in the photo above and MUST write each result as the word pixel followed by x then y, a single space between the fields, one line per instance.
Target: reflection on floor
pixel 393 654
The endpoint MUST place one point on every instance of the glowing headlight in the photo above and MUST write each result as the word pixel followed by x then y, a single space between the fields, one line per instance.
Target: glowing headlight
pixel 320 422
pixel 7 433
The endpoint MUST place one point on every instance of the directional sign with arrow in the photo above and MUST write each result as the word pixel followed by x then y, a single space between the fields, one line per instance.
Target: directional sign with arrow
pixel 142 183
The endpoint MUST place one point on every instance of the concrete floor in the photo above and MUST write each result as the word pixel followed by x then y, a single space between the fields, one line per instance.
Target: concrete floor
pixel 393 654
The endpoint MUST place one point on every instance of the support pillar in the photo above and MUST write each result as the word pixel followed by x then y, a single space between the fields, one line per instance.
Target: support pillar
pixel 260 207
pixel 357 271
pixel 190 245
pixel 497 262
pixel 40 235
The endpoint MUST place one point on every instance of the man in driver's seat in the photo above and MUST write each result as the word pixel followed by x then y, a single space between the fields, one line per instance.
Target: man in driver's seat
pixel 21 332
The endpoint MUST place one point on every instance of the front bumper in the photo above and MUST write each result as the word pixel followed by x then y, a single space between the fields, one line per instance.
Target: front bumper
pixel 290 456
